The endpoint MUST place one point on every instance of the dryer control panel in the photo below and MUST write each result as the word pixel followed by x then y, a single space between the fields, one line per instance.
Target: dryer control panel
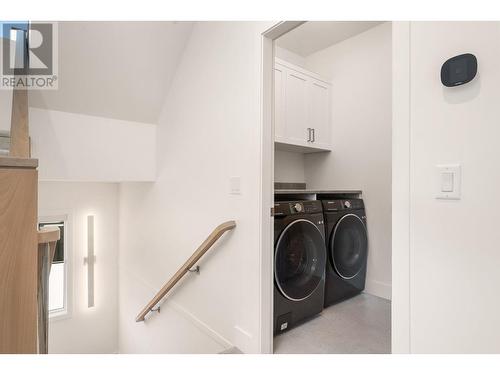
pixel 343 204
pixel 297 207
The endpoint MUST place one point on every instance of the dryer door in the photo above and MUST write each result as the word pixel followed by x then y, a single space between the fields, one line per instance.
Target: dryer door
pixel 299 260
pixel 349 246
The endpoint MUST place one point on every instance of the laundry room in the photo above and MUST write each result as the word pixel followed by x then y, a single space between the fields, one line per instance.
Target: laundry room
pixel 332 180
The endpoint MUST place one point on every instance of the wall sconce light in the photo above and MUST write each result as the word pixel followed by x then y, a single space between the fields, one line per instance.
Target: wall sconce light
pixel 90 260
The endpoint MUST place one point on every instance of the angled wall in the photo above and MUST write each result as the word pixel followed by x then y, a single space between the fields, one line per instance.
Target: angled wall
pixel 76 147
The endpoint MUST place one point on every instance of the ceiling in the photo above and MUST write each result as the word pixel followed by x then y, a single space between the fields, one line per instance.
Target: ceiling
pixel 119 70
pixel 314 36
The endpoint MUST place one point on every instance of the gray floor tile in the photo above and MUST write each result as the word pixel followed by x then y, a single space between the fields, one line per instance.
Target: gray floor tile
pixel 360 325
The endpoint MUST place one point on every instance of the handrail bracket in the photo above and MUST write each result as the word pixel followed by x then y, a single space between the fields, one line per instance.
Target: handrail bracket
pixel 158 309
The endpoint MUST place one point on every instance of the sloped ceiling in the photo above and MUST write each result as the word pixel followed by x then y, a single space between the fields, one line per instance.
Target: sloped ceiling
pixel 314 36
pixel 120 70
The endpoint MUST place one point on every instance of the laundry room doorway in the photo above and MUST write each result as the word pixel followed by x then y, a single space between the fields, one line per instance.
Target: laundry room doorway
pixel 327 171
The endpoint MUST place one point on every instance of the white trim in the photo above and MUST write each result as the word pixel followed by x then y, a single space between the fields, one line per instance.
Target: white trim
pixel 266 200
pixel 266 196
pixel 379 289
pixel 201 325
pixel 67 218
pixel 401 187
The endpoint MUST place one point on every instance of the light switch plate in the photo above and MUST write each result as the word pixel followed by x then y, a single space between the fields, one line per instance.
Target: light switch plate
pixel 448 181
pixel 235 185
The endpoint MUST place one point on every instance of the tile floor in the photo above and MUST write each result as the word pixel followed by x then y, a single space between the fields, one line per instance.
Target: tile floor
pixel 359 325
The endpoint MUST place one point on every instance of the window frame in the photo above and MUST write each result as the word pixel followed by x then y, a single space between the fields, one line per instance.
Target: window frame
pixel 66 218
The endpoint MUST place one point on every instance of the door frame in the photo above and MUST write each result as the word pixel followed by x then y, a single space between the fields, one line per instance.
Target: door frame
pixel 401 192
pixel 267 182
pixel 401 188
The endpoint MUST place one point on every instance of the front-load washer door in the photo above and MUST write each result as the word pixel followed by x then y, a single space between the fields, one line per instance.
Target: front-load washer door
pixel 299 260
pixel 349 246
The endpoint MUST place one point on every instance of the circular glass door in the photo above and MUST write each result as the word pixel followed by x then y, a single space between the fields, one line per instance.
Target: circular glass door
pixel 349 246
pixel 299 260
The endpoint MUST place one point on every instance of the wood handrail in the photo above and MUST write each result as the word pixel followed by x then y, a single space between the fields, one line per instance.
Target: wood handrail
pixel 19 121
pixel 202 249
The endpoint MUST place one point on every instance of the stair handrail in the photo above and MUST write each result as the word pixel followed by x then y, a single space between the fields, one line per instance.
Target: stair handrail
pixel 19 121
pixel 193 259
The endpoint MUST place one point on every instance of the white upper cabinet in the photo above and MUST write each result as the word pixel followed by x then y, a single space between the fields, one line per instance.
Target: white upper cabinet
pixel 279 105
pixel 302 109
pixel 296 93
pixel 319 112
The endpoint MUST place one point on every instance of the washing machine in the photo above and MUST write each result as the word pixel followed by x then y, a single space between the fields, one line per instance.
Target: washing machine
pixel 347 248
pixel 299 262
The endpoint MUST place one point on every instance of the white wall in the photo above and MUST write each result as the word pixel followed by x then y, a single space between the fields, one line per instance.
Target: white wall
pixel 289 167
pixel 87 330
pixel 209 132
pixel 360 70
pixel 78 147
pixel 454 244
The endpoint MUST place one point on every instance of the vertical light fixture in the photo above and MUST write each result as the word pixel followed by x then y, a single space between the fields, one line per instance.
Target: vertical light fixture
pixel 90 260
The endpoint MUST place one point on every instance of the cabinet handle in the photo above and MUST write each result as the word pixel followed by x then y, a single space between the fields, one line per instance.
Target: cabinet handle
pixel 314 134
pixel 308 134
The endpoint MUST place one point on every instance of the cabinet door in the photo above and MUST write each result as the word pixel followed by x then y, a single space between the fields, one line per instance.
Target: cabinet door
pixel 319 112
pixel 279 101
pixel 296 107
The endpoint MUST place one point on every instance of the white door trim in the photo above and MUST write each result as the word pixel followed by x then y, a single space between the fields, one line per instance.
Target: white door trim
pixel 267 183
pixel 401 124
pixel 400 186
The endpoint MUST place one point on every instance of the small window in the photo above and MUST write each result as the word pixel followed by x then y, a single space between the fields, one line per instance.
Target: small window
pixel 58 272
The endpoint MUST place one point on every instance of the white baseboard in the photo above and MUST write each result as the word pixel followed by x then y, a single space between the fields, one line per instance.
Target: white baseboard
pixel 379 289
pixel 202 326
